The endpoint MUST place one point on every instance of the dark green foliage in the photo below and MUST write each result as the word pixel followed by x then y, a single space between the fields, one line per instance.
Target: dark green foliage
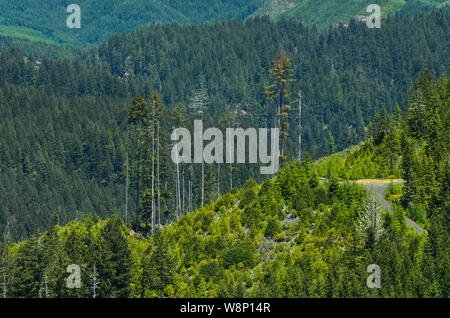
pixel 158 269
pixel 114 266
pixel 273 227
pixel 45 20
pixel 224 202
pixel 251 216
pixel 241 253
pixel 210 269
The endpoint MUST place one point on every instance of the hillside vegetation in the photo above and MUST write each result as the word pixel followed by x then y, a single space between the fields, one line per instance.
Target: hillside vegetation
pixel 413 146
pixel 64 123
pixel 329 13
pixel 288 237
pixel 45 20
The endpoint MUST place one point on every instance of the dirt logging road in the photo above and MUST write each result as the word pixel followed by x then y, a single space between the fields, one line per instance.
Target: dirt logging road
pixel 379 187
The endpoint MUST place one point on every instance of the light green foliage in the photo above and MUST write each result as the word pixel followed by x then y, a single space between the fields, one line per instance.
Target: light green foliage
pixel 327 13
pixel 371 220
pixel 236 249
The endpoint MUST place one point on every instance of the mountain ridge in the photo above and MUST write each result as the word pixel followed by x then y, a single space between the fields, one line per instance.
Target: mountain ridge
pixel 45 21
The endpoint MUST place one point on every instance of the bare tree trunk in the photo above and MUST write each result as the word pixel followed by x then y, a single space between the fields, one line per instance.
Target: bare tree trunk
pixel 138 181
pixel 300 126
pixel 203 183
pixel 94 281
pixel 126 187
pixel 5 260
pixel 190 196
pixel 153 175
pixel 159 185
pixel 203 177
pixel 178 196
pixel 182 206
pixel 218 180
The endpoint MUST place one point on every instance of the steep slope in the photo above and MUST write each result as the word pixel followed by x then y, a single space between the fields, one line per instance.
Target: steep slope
pixel 289 237
pixel 412 146
pixel 276 8
pixel 45 20
pixel 36 49
pixel 330 13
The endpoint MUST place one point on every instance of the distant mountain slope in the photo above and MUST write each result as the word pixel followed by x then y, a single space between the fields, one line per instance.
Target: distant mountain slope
pixel 36 48
pixel 45 20
pixel 325 13
pixel 275 8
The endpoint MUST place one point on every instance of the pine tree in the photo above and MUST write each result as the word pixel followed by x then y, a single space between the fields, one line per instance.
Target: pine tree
pixel 157 268
pixel 281 75
pixel 94 280
pixel 114 267
pixel 370 220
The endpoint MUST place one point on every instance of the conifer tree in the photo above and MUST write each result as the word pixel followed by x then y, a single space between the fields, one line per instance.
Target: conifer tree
pixel 281 75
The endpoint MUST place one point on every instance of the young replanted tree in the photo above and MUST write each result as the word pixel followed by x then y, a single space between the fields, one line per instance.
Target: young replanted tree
pixel 157 269
pixel 370 221
pixel 330 143
pixel 94 280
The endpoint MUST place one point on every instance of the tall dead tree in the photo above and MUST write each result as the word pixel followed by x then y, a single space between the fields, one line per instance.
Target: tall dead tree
pixel 199 102
pixel 137 117
pixel 299 126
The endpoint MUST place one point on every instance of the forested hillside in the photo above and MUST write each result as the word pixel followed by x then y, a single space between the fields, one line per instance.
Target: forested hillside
pixel 38 50
pixel 329 13
pixel 45 20
pixel 291 236
pixel 413 146
pixel 65 129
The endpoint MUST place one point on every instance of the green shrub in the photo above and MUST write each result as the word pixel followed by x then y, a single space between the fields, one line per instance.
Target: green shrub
pixel 209 269
pixel 239 254
pixel 224 202
pixel 251 216
pixel 273 228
